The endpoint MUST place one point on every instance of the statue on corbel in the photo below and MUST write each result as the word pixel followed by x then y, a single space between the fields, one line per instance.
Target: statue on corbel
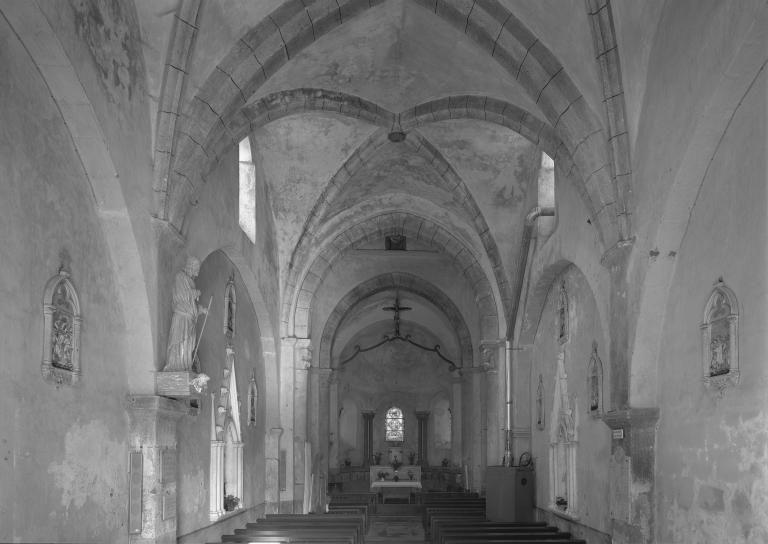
pixel 178 379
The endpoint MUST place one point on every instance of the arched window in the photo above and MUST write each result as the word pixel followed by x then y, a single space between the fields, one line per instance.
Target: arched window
pixel 394 425
pixel 595 383
pixel 540 405
pixel 247 200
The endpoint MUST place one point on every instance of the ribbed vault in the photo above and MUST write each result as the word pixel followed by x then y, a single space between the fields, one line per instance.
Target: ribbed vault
pixel 405 282
pixel 376 228
pixel 217 118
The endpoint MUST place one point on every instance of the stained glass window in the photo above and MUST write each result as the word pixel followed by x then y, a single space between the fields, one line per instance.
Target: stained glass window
pixel 394 424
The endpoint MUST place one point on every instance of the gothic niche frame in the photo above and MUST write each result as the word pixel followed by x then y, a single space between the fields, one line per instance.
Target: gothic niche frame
pixel 253 399
pixel 563 318
pixel 595 384
pixel 230 308
pixel 720 339
pixel 62 325
pixel 540 415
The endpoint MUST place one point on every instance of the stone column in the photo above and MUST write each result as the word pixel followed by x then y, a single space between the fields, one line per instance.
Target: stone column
pixel 318 417
pixel 423 417
pixel 521 393
pixel 456 413
pixel 287 380
pixel 153 430
pixel 302 361
pixel 333 415
pixel 636 523
pixel 271 471
pixel 491 352
pixel 368 416
pixel 477 465
pixel 324 411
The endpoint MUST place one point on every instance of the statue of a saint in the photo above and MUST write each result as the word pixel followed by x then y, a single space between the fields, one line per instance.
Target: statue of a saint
pixel 182 338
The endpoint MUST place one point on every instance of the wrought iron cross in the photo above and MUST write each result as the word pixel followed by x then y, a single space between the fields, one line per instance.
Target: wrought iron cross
pixel 397 309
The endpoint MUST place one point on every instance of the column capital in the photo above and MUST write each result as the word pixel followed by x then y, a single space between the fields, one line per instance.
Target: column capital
pixel 304 360
pixel 422 415
pixel 368 414
pixel 288 341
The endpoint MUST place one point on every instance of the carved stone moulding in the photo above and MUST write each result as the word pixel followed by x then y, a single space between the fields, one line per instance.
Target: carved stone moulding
pixel 62 326
pixel 720 340
pixel 181 385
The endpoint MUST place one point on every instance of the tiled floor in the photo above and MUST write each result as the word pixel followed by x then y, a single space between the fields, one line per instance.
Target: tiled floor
pixel 396 530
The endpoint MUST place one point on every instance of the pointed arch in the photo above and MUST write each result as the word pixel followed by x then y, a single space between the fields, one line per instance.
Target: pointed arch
pixel 406 282
pixel 217 114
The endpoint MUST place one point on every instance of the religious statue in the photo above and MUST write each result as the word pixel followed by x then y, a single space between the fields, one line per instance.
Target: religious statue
pixel 182 338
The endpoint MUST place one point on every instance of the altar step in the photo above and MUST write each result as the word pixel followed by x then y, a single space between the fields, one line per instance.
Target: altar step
pixel 403 509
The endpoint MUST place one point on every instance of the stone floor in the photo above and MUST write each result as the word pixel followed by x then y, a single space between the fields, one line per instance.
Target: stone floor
pixel 396 529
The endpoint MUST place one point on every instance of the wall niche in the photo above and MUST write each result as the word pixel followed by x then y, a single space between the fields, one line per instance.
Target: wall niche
pixel 62 325
pixel 720 340
pixel 595 384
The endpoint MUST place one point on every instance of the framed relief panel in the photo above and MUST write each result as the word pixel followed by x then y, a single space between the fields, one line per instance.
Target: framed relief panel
pixel 720 339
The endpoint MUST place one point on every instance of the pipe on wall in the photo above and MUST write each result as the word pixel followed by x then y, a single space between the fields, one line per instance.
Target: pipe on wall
pixel 522 263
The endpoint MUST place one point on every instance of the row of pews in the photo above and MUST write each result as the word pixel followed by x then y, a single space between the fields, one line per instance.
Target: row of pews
pixel 346 522
pixel 461 519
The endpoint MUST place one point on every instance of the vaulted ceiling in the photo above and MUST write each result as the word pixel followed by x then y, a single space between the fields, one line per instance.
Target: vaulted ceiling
pixel 480 90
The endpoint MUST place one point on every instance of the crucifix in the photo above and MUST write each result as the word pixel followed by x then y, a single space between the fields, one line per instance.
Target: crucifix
pixel 397 309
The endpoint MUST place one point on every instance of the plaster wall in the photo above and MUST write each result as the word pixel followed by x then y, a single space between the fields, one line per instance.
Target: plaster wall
pixel 693 45
pixel 594 437
pixel 395 54
pixel 712 453
pixel 214 224
pixel 194 433
pixel 497 166
pixel 103 42
pixel 54 484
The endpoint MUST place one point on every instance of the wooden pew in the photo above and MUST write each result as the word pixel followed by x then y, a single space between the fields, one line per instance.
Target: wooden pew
pixel 354 510
pixel 294 528
pixel 420 495
pixel 358 521
pixel 429 511
pixel 371 498
pixel 347 504
pixel 440 526
pixel 490 534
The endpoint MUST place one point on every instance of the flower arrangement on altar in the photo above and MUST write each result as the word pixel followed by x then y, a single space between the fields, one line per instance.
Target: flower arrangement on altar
pixel 411 457
pixel 396 463
pixel 381 475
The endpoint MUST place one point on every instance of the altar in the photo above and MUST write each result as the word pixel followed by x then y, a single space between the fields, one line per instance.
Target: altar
pixel 392 489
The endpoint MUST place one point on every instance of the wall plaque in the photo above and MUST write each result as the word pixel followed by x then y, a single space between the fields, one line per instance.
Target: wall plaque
pixel 618 434
pixel 169 506
pixel 620 479
pixel 168 466
pixel 135 480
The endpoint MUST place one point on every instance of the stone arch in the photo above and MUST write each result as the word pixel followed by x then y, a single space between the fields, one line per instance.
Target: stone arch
pixel 406 282
pixel 376 228
pixel 217 111
pixel 269 353
pixel 538 298
pixel 67 91
pixel 658 252
pixel 444 170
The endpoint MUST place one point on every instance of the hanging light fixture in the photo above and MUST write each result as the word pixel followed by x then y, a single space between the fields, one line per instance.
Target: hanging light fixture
pixel 397 336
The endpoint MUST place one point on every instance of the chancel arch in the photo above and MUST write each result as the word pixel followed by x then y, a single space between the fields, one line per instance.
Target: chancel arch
pixel 395 282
